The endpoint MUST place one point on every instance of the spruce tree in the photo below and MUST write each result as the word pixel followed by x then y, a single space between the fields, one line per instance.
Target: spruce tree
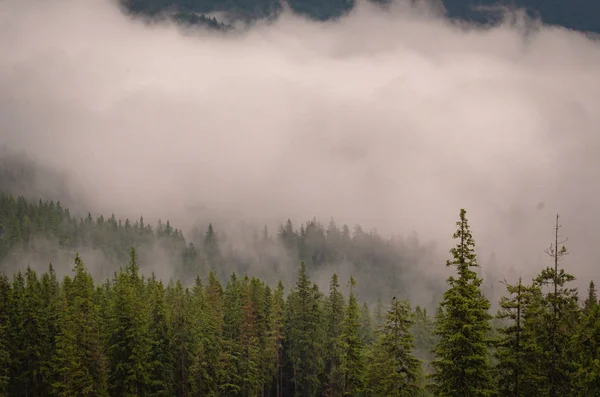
pixel 556 322
pixel 305 334
pixel 393 370
pixel 512 367
pixel 333 381
pixel 212 335
pixel 50 293
pixel 463 325
pixel 592 297
pixel 80 362
pixel 274 348
pixel 587 344
pixel 129 343
pixel 353 364
pixel 160 360
pixel 230 381
pixel 5 358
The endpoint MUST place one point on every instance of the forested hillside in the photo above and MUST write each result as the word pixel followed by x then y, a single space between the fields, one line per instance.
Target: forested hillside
pixel 35 233
pixel 579 15
pixel 134 335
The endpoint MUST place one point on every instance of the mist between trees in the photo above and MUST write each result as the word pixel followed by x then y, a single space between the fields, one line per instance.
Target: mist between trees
pixel 122 333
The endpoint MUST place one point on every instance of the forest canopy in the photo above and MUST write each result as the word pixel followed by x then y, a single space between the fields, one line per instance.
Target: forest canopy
pixel 133 334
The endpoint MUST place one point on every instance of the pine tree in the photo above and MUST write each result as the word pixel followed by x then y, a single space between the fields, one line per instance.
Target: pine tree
pixel 5 358
pixel 305 336
pixel 463 324
pixel 212 340
pixel 592 299
pixel 17 338
pixel 230 382
pixel 160 361
pixel 34 331
pixel 512 368
pixel 367 336
pixel 587 343
pixel 80 363
pixel 353 364
pixel 393 370
pixel 334 315
pixel 423 334
pixel 50 296
pixel 556 322
pixel 274 348
pixel 184 341
pixel 129 343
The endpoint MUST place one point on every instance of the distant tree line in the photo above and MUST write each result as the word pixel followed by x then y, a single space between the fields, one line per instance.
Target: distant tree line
pixel 132 335
pixel 385 266
pixel 579 15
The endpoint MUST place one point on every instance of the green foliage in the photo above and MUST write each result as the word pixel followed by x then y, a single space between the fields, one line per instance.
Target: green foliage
pixel 80 360
pixel 129 344
pixel 353 364
pixel 463 326
pixel 305 335
pixel 393 370
pixel 333 381
pixel 132 336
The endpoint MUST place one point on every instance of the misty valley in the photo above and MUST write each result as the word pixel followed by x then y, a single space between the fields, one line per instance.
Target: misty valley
pixel 299 198
pixel 212 328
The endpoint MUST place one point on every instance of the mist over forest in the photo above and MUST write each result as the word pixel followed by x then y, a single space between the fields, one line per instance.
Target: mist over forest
pixel 310 146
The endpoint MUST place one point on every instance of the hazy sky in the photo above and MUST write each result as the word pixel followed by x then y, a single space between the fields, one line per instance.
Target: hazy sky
pixel 394 120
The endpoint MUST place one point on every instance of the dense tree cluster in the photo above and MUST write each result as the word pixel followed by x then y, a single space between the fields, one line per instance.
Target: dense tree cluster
pixel 40 228
pixel 132 335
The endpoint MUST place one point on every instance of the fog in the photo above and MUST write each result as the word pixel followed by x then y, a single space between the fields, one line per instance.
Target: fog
pixel 393 119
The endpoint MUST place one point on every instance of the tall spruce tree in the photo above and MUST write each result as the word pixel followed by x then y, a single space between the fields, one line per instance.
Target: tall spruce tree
pixel 463 325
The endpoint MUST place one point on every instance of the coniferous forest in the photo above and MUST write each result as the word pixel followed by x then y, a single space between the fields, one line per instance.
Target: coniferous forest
pixel 134 334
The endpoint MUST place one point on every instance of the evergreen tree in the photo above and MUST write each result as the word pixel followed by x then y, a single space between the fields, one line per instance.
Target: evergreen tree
pixel 393 370
pixel 352 347
pixel 556 321
pixel 80 362
pixel 592 298
pixel 50 297
pixel 305 336
pixel 512 368
pixel 587 343
pixel 5 358
pixel 160 360
pixel 367 336
pixel 19 385
pixel 230 382
pixel 129 343
pixel 274 348
pixel 463 325
pixel 212 340
pixel 423 334
pixel 334 315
